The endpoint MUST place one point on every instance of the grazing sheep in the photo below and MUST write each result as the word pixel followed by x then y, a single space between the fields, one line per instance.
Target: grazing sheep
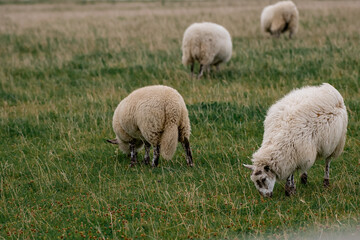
pixel 208 43
pixel 280 17
pixel 306 124
pixel 153 115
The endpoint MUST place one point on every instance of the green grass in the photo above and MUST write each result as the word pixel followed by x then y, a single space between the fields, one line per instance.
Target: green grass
pixel 61 78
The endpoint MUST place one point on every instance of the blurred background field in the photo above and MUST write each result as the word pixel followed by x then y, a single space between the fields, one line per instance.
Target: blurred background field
pixel 64 67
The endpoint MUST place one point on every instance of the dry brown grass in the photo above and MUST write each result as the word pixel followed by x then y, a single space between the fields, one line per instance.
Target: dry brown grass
pixel 76 29
pixel 152 24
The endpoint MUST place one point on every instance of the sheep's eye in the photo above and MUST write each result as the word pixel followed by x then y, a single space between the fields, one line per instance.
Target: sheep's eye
pixel 263 180
pixel 259 183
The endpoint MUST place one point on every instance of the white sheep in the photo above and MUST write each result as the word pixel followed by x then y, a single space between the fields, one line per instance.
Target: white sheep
pixel 208 43
pixel 306 124
pixel 280 17
pixel 153 115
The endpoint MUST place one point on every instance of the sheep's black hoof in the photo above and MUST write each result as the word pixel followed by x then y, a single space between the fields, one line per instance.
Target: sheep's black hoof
pixel 190 163
pixel 289 190
pixel 304 178
pixel 326 183
pixel 133 163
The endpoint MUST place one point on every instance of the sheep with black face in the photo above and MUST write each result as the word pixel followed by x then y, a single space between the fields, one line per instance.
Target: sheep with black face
pixel 303 126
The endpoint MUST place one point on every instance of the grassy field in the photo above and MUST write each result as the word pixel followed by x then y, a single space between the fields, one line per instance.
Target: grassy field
pixel 65 67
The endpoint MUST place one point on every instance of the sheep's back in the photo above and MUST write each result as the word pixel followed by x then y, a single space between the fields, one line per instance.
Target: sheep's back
pixel 311 114
pixel 286 10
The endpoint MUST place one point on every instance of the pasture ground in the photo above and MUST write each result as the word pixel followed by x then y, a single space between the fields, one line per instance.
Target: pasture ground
pixel 65 67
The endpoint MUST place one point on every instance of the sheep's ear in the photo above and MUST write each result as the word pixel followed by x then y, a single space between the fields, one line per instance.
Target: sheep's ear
pixel 251 167
pixel 112 141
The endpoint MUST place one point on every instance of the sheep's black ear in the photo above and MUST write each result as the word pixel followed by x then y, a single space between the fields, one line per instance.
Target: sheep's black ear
pixel 112 141
pixel 267 168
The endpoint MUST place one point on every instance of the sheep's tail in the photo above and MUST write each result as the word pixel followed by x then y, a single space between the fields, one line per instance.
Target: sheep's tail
pixel 168 142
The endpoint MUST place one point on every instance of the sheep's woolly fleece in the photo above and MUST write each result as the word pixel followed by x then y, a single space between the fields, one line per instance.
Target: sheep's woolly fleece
pixel 206 42
pixel 307 123
pixel 280 17
pixel 156 114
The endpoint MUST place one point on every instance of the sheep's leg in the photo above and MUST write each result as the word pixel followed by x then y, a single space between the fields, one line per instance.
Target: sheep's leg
pixel 290 187
pixel 304 178
pixel 201 71
pixel 156 156
pixel 147 153
pixel 133 154
pixel 192 69
pixel 217 68
pixel 291 34
pixel 208 69
pixel 187 149
pixel 275 34
pixel 326 176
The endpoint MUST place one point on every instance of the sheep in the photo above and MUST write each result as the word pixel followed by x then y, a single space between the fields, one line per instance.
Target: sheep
pixel 153 115
pixel 208 43
pixel 303 126
pixel 279 18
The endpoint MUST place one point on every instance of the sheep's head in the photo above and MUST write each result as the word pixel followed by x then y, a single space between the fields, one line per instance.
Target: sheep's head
pixel 263 178
pixel 124 147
